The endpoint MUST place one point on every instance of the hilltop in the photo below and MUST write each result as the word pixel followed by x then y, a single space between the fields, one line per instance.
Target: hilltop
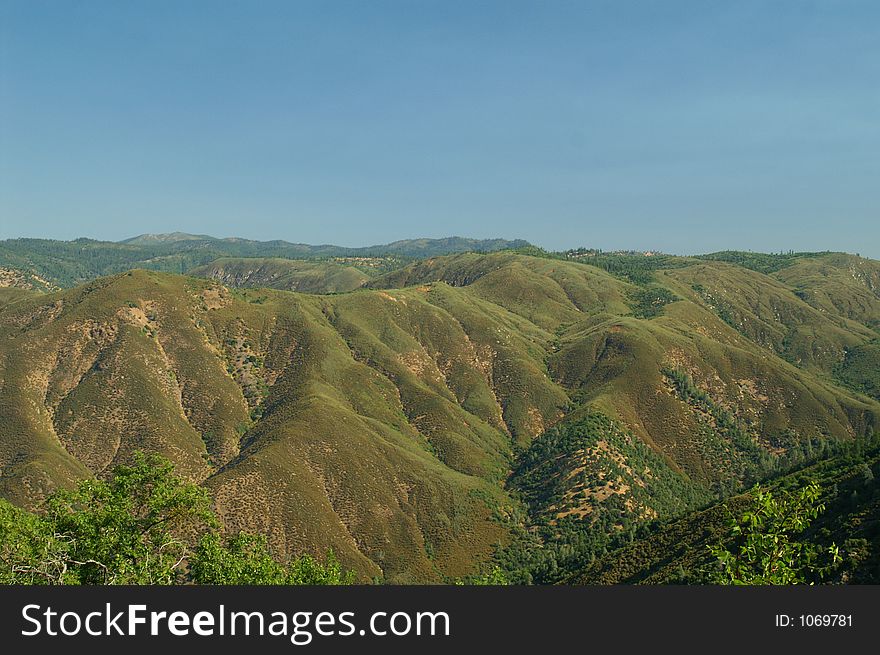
pixel 336 276
pixel 67 263
pixel 170 237
pixel 446 411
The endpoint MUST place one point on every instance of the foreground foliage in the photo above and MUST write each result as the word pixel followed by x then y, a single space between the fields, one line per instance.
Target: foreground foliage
pixel 766 551
pixel 142 526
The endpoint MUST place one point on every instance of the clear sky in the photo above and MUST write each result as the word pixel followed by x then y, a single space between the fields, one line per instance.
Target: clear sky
pixel 681 126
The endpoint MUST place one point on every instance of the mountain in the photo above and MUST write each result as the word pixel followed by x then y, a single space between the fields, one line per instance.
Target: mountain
pixel 68 263
pixel 287 274
pixel 403 247
pixel 172 237
pixel 437 247
pixel 452 411
pixel 13 278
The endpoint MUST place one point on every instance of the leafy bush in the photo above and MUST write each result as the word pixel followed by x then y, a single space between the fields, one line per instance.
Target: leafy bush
pixel 649 301
pixel 142 526
pixel 245 559
pixel 767 551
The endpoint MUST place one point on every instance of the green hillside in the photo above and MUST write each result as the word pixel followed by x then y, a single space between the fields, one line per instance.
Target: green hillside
pixel 426 421
pixel 287 274
pixel 677 551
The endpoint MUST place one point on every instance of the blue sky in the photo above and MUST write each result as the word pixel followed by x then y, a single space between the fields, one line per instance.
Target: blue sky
pixel 681 126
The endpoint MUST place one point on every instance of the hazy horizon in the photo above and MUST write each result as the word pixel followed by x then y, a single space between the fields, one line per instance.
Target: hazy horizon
pixel 684 127
pixel 448 236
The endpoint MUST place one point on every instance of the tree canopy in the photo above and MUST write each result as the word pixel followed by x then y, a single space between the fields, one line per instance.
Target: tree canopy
pixel 767 550
pixel 143 525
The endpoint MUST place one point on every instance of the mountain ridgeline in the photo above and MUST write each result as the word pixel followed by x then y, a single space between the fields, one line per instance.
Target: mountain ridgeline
pixel 49 264
pixel 426 415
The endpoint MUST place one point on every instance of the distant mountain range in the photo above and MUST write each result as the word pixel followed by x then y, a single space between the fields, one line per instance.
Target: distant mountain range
pixel 49 263
pixel 404 247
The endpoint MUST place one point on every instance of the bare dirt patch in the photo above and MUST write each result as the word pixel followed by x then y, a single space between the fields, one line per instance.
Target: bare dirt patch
pixel 215 298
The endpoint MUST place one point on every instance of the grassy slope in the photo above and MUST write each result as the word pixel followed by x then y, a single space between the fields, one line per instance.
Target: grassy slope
pixel 839 284
pixel 286 274
pixel 849 286
pixel 371 455
pixel 383 422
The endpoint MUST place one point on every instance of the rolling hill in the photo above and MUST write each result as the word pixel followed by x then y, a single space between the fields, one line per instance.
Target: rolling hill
pixel 287 274
pixel 426 420
pixel 54 264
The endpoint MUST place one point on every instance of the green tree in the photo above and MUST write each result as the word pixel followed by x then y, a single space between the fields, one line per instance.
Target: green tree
pixel 134 528
pixel 30 552
pixel 246 559
pixel 144 525
pixel 766 548
pixel 494 577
